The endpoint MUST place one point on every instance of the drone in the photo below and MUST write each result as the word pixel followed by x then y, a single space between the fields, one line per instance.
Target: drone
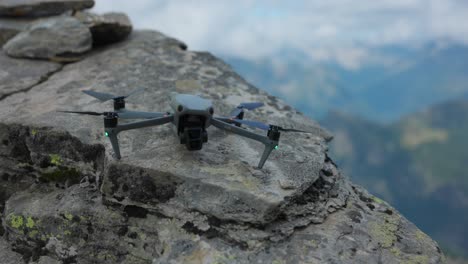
pixel 191 116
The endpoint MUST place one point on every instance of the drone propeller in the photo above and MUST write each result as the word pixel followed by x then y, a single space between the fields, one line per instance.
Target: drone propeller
pixel 264 126
pixel 121 115
pixel 251 123
pixel 106 96
pixel 86 113
pixel 240 108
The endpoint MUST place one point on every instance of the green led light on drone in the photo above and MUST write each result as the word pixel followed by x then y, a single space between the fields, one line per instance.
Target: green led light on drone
pixel 276 147
pixel 107 134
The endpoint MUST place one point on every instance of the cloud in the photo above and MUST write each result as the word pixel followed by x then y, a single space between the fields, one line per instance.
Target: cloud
pixel 342 31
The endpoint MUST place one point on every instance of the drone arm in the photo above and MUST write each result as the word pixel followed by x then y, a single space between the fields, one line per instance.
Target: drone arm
pixel 129 114
pixel 221 123
pixel 146 123
pixel 112 132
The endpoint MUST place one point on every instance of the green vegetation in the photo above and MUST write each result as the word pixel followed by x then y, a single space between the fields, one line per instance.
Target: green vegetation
pixel 62 174
pixel 55 159
pixel 16 221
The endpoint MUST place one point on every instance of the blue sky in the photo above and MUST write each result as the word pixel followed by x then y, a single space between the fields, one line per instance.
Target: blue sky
pixel 343 31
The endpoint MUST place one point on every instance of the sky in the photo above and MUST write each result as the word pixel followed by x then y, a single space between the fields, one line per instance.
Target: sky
pixel 346 32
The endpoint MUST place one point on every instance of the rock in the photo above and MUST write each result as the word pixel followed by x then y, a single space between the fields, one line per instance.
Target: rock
pixel 79 227
pixel 37 8
pixel 106 28
pixel 163 204
pixel 53 38
pixel 239 195
pixel 7 256
pixel 10 27
pixel 47 260
pixel 19 75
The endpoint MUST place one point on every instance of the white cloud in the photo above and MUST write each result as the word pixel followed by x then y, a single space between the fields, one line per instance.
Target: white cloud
pixel 342 31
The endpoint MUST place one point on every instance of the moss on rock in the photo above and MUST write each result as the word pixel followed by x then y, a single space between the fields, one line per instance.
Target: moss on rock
pixel 61 174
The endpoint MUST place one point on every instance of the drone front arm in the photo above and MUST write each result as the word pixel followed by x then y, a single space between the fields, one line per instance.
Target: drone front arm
pixel 269 144
pixel 146 123
pixel 112 132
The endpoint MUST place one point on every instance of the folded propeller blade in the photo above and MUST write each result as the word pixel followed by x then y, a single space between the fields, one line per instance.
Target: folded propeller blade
pixel 251 123
pixel 294 130
pixel 251 106
pixel 242 106
pixel 107 96
pixel 83 113
pixel 121 115
pixel 235 112
pixel 134 92
pixel 264 126
pixel 100 96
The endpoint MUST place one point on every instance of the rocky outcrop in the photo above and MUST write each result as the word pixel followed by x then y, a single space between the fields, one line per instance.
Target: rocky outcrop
pixel 64 199
pixel 52 38
pixel 40 8
pixel 63 38
pixel 162 204
pixel 106 28
pixel 10 27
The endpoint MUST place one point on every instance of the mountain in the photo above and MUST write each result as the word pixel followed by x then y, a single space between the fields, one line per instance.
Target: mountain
pixel 383 89
pixel 417 163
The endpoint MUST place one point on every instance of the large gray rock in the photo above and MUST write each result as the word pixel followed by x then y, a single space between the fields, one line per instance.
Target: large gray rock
pixel 10 27
pixel 19 75
pixel 36 8
pixel 57 38
pixel 106 28
pixel 164 204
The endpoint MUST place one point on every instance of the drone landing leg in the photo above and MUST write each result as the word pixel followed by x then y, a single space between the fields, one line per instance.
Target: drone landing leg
pixel 114 130
pixel 266 153
pixel 115 144
pixel 270 144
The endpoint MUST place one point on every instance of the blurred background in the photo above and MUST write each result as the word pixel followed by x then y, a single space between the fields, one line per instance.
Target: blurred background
pixel 389 78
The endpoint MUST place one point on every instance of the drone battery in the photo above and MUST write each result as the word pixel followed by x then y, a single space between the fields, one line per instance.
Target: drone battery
pixel 110 122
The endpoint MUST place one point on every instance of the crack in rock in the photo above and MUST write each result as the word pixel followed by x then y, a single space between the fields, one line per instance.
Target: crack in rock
pixel 20 75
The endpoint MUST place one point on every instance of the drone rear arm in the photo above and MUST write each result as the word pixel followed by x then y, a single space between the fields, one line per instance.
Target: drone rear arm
pixel 221 123
pixel 112 132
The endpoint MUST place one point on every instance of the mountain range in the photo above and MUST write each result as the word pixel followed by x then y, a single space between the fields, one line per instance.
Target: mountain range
pixel 396 82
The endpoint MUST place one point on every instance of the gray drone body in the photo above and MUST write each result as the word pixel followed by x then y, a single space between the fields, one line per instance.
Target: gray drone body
pixel 191 116
pixel 191 105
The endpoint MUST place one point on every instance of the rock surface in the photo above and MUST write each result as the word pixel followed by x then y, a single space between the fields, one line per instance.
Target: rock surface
pixel 10 27
pixel 37 8
pixel 8 256
pixel 60 37
pixel 106 28
pixel 67 199
pixel 20 75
